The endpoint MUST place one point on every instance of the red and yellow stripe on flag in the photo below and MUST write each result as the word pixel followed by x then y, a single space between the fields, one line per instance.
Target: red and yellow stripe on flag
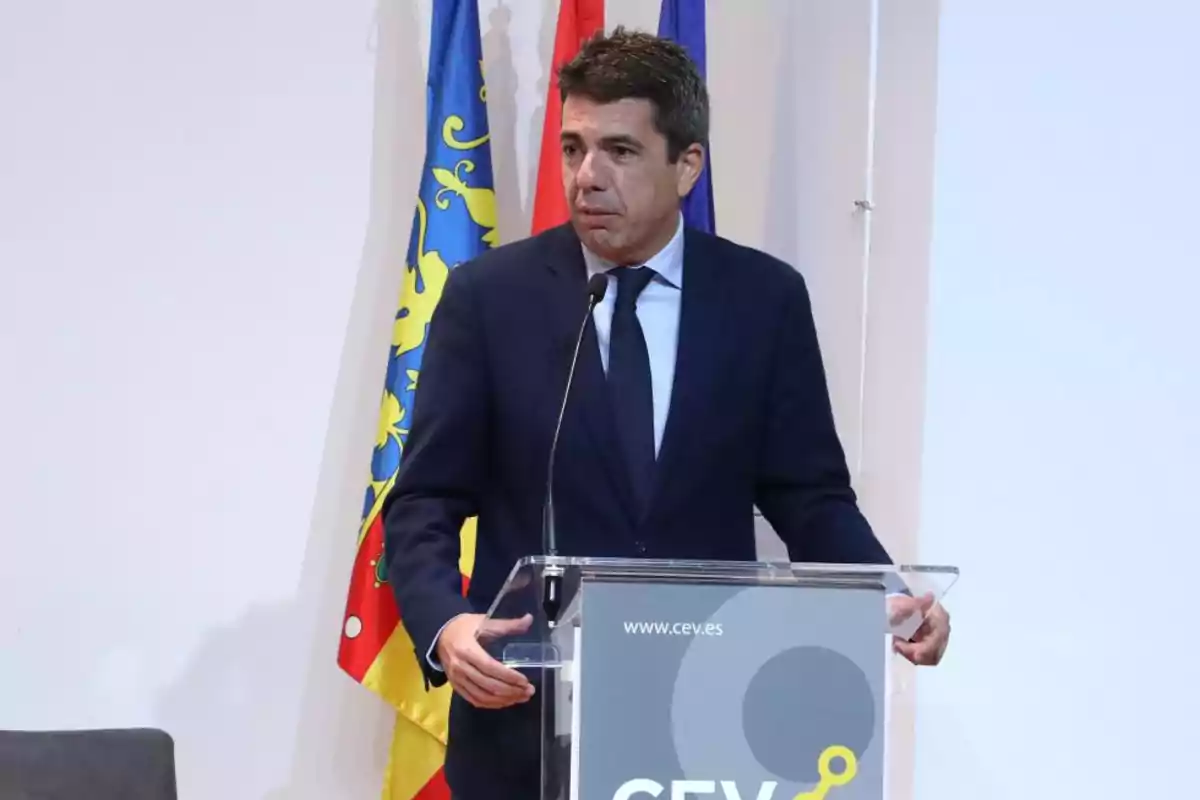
pixel 455 220
pixel 578 20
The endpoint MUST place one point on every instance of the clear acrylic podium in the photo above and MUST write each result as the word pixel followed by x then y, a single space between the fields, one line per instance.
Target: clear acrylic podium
pixel 738 680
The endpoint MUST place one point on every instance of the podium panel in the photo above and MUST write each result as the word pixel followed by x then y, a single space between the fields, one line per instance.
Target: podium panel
pixel 676 679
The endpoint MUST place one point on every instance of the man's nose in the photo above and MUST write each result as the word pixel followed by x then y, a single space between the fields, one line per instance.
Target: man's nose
pixel 590 175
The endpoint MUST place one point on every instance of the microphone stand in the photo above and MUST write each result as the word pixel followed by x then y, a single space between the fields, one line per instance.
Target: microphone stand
pixel 552 574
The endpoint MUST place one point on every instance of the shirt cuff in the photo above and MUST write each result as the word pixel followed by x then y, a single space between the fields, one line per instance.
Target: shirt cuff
pixel 431 656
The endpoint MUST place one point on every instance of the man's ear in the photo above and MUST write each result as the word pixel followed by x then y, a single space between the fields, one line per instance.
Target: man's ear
pixel 688 168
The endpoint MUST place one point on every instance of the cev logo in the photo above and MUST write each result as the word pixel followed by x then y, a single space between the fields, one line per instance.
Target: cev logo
pixel 686 790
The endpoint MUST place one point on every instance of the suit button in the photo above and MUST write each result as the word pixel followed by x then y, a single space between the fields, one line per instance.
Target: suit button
pixel 641 547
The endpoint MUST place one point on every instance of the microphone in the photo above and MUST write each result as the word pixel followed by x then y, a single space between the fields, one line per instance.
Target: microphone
pixel 552 589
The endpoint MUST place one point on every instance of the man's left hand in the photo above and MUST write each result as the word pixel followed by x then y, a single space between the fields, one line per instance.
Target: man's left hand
pixel 928 644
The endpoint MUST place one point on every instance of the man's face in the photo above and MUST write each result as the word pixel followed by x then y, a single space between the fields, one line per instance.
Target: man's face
pixel 622 191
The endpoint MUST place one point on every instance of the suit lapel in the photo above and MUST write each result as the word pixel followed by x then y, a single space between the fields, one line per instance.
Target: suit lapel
pixel 589 391
pixel 702 343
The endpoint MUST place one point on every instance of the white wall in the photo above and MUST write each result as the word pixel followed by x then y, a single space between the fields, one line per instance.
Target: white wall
pixel 1063 416
pixel 203 208
pixel 202 212
pixel 184 192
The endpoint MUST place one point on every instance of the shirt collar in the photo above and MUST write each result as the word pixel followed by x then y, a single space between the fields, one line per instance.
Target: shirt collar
pixel 666 263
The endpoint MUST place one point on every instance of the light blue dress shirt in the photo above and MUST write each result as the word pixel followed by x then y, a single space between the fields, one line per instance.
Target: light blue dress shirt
pixel 657 313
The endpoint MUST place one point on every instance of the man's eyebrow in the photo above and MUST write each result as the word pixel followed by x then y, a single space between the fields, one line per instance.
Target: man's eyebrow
pixel 620 139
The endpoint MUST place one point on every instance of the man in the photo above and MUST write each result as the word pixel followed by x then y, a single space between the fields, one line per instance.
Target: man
pixel 699 393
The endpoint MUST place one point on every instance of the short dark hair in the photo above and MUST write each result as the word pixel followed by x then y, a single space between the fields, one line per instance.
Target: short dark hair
pixel 633 64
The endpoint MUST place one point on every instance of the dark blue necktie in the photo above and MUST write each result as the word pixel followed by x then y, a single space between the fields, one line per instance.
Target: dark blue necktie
pixel 629 382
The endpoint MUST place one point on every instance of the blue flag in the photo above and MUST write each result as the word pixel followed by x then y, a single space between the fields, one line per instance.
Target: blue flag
pixel 682 21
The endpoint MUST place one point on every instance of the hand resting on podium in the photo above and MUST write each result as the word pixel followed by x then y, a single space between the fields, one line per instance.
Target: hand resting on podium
pixel 928 643
pixel 481 680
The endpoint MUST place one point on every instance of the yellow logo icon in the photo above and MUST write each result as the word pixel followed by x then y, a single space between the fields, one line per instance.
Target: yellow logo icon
pixel 829 778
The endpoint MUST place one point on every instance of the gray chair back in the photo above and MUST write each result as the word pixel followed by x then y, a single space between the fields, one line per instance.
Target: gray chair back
pixel 131 764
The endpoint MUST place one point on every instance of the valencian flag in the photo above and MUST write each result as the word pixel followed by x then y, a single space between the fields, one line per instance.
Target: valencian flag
pixel 455 220
pixel 578 20
pixel 683 21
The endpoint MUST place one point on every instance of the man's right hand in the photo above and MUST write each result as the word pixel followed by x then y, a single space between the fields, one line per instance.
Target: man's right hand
pixel 482 680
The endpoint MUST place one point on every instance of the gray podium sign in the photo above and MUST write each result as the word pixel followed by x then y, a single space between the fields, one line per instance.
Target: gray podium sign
pixel 744 692
pixel 681 680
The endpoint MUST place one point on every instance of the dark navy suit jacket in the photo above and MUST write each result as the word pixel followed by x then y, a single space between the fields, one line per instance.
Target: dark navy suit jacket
pixel 750 423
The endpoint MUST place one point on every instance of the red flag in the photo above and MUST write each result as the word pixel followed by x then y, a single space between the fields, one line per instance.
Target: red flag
pixel 577 20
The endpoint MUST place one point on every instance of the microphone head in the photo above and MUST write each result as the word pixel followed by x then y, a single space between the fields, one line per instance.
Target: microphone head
pixel 596 287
